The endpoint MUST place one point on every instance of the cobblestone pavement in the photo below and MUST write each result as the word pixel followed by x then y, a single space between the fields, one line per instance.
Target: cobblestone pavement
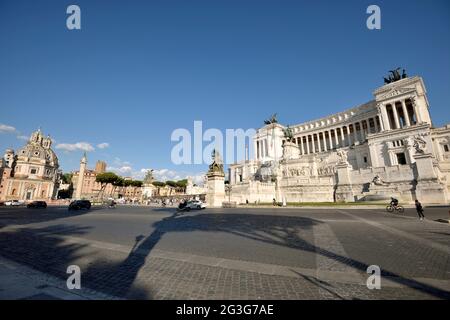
pixel 151 253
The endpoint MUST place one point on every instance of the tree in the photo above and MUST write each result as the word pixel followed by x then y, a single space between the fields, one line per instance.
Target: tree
pixel 104 179
pixel 159 184
pixel 66 178
pixel 171 183
pixel 136 183
pixel 181 185
pixel 119 182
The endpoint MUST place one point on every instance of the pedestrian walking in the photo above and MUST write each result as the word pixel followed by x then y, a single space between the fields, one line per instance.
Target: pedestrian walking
pixel 419 210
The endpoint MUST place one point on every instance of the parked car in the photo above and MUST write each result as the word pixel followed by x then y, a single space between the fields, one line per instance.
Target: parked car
pixel 37 204
pixel 80 204
pixel 14 203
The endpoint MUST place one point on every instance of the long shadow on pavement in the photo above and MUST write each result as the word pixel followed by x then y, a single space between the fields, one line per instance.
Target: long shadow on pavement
pixel 44 250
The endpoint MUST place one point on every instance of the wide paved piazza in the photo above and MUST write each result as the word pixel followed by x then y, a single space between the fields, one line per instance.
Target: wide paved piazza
pixel 243 253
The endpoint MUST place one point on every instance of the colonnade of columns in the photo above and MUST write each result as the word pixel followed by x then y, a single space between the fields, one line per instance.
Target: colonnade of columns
pixel 399 114
pixel 334 138
pixel 261 147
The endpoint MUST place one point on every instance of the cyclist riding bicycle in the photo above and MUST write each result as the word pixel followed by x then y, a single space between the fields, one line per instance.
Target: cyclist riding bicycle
pixel 112 204
pixel 394 202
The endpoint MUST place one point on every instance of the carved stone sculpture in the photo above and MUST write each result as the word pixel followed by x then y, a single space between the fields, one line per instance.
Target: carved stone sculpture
pixel 272 119
pixel 342 156
pixel 419 145
pixel 378 181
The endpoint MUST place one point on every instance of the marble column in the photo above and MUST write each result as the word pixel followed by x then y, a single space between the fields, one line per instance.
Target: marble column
pixel 319 145
pixel 396 121
pixel 336 141
pixel 342 137
pixel 375 124
pixel 355 135
pixel 301 145
pixel 405 113
pixel 363 131
pixel 330 140
pixel 307 144
pixel 384 120
pixel 313 144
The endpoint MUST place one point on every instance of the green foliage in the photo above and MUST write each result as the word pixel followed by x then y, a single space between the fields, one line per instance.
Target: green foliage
pixel 67 178
pixel 171 183
pixel 159 184
pixel 137 183
pixel 119 182
pixel 106 177
pixel 182 183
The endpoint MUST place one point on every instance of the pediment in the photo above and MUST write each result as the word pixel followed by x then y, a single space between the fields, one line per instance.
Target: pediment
pixel 396 92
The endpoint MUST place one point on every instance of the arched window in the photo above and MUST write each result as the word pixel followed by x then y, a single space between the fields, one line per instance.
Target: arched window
pixel 13 192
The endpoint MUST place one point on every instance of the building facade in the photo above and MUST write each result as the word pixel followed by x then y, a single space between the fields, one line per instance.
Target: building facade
pixel 85 184
pixel 385 147
pixel 32 173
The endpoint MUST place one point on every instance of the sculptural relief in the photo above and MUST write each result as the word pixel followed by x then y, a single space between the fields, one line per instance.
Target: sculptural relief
pixel 378 181
pixel 342 156
pixel 419 144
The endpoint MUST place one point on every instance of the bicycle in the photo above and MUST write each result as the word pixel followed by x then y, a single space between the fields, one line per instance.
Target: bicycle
pixel 397 208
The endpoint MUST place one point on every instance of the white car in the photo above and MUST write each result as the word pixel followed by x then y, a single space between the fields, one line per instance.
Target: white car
pixel 195 204
pixel 14 203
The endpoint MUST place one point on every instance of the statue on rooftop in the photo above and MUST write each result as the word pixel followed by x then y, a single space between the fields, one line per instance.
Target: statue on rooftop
pixel 395 76
pixel 272 119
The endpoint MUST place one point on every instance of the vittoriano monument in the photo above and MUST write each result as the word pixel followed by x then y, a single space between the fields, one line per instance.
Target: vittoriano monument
pixel 384 147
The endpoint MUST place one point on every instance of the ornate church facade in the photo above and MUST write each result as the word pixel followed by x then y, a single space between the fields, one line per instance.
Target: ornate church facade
pixel 385 147
pixel 32 173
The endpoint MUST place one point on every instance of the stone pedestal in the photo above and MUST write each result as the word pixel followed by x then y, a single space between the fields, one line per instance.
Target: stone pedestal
pixel 215 194
pixel 290 151
pixel 428 189
pixel 344 190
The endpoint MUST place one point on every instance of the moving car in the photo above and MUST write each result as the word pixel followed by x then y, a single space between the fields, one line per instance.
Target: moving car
pixel 14 203
pixel 37 204
pixel 80 204
pixel 192 204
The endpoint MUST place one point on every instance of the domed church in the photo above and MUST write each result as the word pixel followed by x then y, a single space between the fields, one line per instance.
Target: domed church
pixel 32 173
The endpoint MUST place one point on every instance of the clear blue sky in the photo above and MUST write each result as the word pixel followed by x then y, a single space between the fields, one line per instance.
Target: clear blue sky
pixel 137 70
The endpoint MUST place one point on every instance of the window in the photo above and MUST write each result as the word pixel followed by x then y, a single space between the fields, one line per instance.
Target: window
pixel 401 159
pixel 446 147
pixel 365 159
pixel 33 171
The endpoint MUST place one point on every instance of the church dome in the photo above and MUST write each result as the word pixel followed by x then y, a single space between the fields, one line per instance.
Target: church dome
pixel 38 148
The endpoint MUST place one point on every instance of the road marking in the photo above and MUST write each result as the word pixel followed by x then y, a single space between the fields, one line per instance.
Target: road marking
pixel 430 243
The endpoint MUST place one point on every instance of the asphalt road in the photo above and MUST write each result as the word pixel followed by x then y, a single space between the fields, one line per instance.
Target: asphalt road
pixel 276 253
